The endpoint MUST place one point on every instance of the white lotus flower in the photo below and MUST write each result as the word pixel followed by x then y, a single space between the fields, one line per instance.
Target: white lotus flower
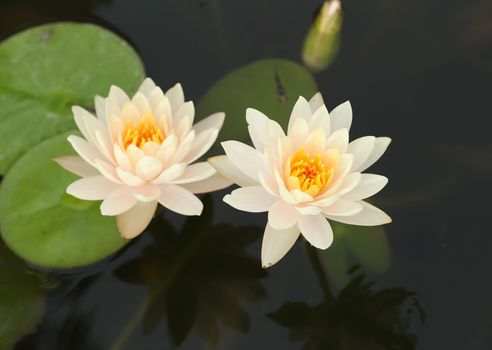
pixel 305 177
pixel 139 152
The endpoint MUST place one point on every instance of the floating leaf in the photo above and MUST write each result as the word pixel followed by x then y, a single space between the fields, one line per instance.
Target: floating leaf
pixel 21 302
pixel 40 224
pixel 271 86
pixel 323 39
pixel 47 69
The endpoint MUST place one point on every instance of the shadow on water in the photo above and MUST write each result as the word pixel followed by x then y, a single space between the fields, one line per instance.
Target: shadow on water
pixel 357 318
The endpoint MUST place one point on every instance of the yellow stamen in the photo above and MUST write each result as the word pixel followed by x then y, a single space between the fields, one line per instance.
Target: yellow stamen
pixel 312 174
pixel 139 133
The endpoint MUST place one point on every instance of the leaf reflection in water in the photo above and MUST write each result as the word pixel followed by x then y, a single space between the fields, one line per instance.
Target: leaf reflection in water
pixel 357 318
pixel 199 277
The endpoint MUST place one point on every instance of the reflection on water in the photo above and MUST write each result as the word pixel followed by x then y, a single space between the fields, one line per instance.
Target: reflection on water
pixel 357 318
pixel 199 277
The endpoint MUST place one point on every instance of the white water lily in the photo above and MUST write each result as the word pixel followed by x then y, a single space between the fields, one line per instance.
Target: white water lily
pixel 304 177
pixel 139 152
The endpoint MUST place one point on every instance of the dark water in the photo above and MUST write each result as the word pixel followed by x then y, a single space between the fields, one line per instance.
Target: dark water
pixel 419 72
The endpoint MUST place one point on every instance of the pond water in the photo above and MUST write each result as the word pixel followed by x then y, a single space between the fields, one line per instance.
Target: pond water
pixel 419 72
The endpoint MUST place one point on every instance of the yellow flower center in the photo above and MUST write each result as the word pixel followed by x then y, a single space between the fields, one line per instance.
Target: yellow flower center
pixel 311 174
pixel 139 133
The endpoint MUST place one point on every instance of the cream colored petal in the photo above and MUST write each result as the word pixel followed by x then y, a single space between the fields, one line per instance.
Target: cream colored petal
pixel 227 169
pixel 299 133
pixel 107 170
pixel 380 146
pixel 187 109
pixel 100 105
pixel 163 114
pixel 316 230
pixel 134 221
pixel 257 127
pixel 282 215
pixel 276 243
pixel 267 180
pixel 155 96
pixel 274 130
pixel 211 184
pixel 134 154
pixel 175 96
pixel 369 185
pixel 129 178
pixel 142 104
pixel 214 121
pixel 316 102
pixel 179 200
pixel 369 216
pixel 338 140
pixel 151 148
pixel 201 145
pixel 301 110
pixel 245 158
pixel 146 193
pixel 171 173
pixel 308 209
pixel 320 119
pixel 285 194
pixel 87 151
pixel 147 86
pixel 76 165
pixel 195 172
pixel 91 188
pixel 184 148
pixel 118 201
pixel 167 149
pixel 79 115
pixel 130 113
pixel 301 197
pixel 148 167
pixel 118 95
pixel 341 117
pixel 361 148
pixel 183 127
pixel 316 142
pixel 349 183
pixel 343 208
pixel 253 199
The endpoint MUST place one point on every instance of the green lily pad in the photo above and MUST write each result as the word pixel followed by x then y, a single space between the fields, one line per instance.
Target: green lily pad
pixel 21 302
pixel 40 224
pixel 271 86
pixel 47 69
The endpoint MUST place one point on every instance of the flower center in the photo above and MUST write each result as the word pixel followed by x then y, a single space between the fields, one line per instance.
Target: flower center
pixel 139 133
pixel 311 174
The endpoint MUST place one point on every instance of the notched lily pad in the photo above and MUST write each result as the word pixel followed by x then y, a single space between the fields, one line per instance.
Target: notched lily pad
pixel 38 221
pixel 271 86
pixel 47 69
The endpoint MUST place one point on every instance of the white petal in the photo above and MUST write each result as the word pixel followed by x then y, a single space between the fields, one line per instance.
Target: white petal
pixel 320 119
pixel 184 148
pixel 316 102
pixel 183 126
pixel 141 102
pixel 245 158
pixel 201 145
pixel 361 148
pixel 129 178
pixel 91 188
pixel 369 185
pixel 76 165
pixel 87 151
pixel 148 168
pixel 282 215
pixel 170 173
pixel 187 109
pixel 213 121
pixel 299 133
pixel 284 193
pixel 380 146
pixel 167 149
pixel 180 200
pixel 122 158
pixel 195 172
pixel 301 110
pixel 134 221
pixel 316 230
pixel 100 105
pixel 225 167
pixel 213 183
pixel 107 170
pixel 276 243
pixel 343 208
pixel 118 201
pixel 308 209
pixel 301 197
pixel 369 216
pixel 79 115
pixel 338 140
pixel 156 96
pixel 115 101
pixel 134 154
pixel 146 193
pixel 253 199
pixel 175 96
pixel 147 86
pixel 341 117
pixel 349 183
pixel 257 127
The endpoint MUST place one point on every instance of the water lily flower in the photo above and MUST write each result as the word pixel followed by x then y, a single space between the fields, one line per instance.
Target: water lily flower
pixel 139 152
pixel 304 177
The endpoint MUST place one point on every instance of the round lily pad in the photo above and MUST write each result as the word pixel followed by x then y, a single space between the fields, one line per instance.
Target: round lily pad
pixel 40 224
pixel 47 69
pixel 271 86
